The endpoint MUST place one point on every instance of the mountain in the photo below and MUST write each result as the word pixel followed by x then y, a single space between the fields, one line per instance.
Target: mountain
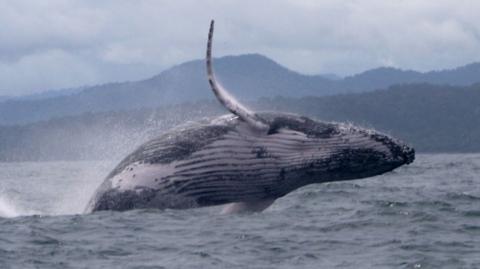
pixel 384 77
pixel 249 77
pixel 432 118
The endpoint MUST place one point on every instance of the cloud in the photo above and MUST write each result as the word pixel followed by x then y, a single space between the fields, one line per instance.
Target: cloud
pixel 66 43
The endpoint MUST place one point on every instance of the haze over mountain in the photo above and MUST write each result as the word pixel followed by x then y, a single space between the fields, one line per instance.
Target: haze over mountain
pixel 44 95
pixel 249 77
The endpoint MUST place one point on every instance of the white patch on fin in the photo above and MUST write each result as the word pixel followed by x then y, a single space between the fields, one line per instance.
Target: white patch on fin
pixel 225 97
pixel 247 207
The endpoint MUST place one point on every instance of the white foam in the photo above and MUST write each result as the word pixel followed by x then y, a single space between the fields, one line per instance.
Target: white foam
pixel 8 209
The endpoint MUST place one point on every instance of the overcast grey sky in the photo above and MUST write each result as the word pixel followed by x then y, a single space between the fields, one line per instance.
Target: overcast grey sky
pixel 52 44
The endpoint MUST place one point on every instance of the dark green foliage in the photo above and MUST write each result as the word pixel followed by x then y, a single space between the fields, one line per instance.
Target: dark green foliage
pixel 431 118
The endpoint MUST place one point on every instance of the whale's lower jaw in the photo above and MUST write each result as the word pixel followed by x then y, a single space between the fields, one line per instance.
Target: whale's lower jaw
pixel 233 201
pixel 128 200
pixel 150 198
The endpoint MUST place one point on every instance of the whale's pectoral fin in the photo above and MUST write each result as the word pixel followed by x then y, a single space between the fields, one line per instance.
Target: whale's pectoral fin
pixel 247 207
pixel 225 98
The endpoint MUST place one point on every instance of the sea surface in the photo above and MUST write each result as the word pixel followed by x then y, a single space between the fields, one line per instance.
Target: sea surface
pixel 425 215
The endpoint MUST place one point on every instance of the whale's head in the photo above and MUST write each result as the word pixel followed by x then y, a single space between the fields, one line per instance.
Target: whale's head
pixel 312 150
pixel 319 151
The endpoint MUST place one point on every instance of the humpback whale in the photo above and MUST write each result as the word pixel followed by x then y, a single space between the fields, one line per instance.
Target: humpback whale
pixel 244 160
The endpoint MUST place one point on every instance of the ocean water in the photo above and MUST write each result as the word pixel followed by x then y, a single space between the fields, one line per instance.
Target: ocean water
pixel 425 215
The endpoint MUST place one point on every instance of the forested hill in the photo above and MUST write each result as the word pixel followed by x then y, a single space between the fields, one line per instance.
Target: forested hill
pixel 248 76
pixel 431 118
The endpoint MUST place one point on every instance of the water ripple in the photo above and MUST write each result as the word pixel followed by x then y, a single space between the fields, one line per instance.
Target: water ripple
pixel 423 216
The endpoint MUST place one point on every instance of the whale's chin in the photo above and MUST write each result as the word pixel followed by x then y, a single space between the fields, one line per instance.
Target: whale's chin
pixel 363 163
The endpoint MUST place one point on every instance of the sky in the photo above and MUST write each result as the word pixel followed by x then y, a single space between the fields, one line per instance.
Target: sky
pixel 54 44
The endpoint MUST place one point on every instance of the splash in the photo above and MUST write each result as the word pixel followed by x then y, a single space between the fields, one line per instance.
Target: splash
pixel 64 187
pixel 48 188
pixel 9 209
